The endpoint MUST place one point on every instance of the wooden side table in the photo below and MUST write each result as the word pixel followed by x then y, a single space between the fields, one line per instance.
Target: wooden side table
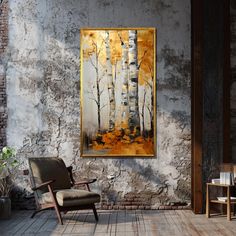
pixel 228 202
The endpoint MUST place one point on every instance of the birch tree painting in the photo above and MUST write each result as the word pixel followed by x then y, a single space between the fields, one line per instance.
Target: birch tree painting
pixel 118 92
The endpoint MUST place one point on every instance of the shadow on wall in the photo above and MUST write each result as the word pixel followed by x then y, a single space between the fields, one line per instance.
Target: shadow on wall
pixel 22 199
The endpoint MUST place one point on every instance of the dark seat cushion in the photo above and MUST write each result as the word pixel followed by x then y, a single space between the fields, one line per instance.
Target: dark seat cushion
pixel 72 197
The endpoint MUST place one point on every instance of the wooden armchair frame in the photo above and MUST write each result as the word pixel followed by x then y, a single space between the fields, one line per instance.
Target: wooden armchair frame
pixel 54 204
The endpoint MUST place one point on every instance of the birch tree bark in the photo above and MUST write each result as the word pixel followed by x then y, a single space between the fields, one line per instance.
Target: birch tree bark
pixel 151 111
pixel 97 98
pixel 111 86
pixel 124 79
pixel 134 119
pixel 98 91
pixel 143 111
pixel 150 106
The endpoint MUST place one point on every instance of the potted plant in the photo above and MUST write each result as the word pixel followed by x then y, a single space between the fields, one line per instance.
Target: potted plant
pixel 8 165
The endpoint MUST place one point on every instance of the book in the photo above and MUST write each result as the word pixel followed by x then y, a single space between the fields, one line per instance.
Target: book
pixel 215 181
pixel 224 199
pixel 232 178
pixel 227 178
pixel 228 168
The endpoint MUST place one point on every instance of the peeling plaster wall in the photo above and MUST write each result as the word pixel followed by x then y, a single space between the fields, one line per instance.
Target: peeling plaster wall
pixel 43 87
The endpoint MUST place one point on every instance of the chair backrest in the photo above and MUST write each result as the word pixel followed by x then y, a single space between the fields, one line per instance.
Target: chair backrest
pixel 43 169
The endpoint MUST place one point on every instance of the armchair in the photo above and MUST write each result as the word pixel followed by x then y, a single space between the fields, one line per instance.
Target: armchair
pixel 52 184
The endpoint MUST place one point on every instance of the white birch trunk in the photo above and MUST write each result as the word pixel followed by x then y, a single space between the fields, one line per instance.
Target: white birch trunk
pixel 98 93
pixel 134 119
pixel 111 89
pixel 124 93
pixel 152 107
pixel 143 111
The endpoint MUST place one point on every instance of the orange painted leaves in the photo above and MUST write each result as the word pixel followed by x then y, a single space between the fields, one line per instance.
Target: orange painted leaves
pixel 117 142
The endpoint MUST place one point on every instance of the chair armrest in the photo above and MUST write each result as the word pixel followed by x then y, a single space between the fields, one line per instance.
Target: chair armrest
pixel 43 185
pixel 85 181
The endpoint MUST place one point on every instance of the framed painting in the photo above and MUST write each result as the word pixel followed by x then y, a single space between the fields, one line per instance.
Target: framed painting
pixel 118 94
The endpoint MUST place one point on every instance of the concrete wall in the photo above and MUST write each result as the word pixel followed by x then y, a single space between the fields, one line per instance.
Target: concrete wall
pixel 43 88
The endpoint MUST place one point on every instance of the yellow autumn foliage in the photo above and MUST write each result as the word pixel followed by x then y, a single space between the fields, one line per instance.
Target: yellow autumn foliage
pixel 117 132
pixel 93 41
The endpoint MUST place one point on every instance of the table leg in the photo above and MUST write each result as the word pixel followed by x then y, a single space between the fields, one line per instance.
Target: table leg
pixel 207 202
pixel 228 204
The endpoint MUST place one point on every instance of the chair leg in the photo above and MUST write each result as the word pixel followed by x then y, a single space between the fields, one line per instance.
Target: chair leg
pixel 95 213
pixel 38 210
pixel 58 215
pixel 55 204
pixel 34 213
pixel 57 212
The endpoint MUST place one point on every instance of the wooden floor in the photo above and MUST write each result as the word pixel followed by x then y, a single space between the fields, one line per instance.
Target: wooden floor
pixel 120 223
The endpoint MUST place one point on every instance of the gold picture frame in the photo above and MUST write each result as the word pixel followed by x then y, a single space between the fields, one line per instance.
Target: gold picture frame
pixel 118 92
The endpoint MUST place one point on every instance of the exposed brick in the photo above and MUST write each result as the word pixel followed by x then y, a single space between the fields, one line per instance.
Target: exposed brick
pixel 104 207
pixel 115 207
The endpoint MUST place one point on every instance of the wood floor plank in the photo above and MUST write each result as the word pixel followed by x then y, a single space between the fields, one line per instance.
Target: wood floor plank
pixel 173 220
pixel 69 226
pixel 16 218
pixel 131 224
pixel 83 225
pixel 140 224
pixel 224 227
pixel 187 225
pixel 25 227
pixel 50 225
pixel 40 220
pixel 112 223
pixel 159 223
pixel 118 223
pixel 177 222
pixel 204 225
pixel 104 222
pixel 121 221
pixel 174 229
